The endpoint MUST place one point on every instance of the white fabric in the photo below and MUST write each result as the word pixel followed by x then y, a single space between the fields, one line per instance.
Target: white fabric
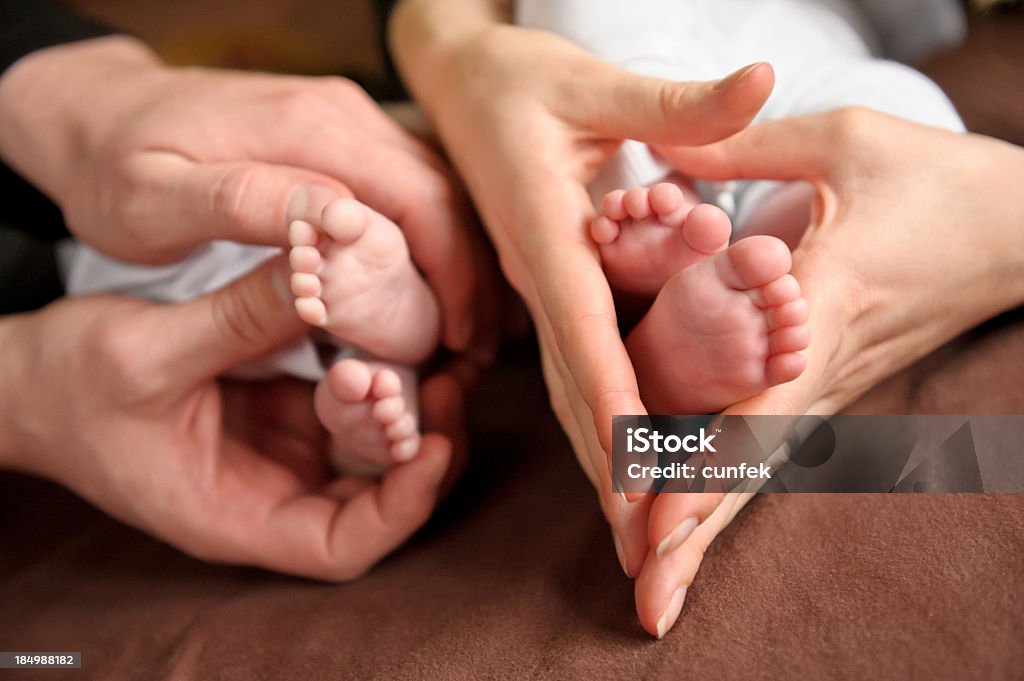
pixel 910 30
pixel 206 270
pixel 826 54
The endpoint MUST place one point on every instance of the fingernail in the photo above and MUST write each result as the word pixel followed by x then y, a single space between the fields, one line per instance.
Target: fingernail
pixel 735 77
pixel 620 554
pixel 307 202
pixel 676 537
pixel 671 614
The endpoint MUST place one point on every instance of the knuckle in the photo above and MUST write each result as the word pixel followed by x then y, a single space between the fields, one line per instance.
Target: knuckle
pixel 300 106
pixel 120 350
pixel 693 554
pixel 235 316
pixel 850 127
pixel 343 87
pixel 671 97
pixel 230 192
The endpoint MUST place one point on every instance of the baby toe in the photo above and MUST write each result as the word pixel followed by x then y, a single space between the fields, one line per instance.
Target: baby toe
pixel 386 384
pixel 406 449
pixel 637 203
pixel 604 230
pixel 793 313
pixel 665 198
pixel 779 292
pixel 389 409
pixel 349 380
pixel 311 310
pixel 305 285
pixel 755 262
pixel 707 229
pixel 306 259
pixel 403 427
pixel 785 367
pixel 789 339
pixel 612 205
pixel 345 220
pixel 301 233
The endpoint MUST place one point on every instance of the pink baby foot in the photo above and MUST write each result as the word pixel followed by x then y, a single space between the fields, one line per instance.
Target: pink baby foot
pixel 722 330
pixel 369 409
pixel 352 275
pixel 647 235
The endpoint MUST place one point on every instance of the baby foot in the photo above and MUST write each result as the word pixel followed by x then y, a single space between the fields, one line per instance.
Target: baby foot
pixel 647 235
pixel 352 276
pixel 722 330
pixel 369 409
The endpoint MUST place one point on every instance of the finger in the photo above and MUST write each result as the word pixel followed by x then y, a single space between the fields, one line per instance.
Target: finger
pixel 217 332
pixel 442 410
pixel 628 521
pixel 577 312
pixel 577 305
pixel 674 517
pixel 244 201
pixel 799 148
pixel 315 536
pixel 620 105
pixel 663 582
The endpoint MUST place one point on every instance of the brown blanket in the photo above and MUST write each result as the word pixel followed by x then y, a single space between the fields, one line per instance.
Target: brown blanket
pixel 516 576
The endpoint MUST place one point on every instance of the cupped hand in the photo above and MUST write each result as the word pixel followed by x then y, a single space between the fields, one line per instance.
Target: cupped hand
pixel 148 162
pixel 914 239
pixel 118 399
pixel 528 119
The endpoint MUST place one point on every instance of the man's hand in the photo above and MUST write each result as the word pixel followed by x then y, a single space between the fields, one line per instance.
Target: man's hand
pixel 118 400
pixel 148 162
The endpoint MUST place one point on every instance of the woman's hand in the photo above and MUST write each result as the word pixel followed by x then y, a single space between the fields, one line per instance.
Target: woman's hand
pixel 147 162
pixel 118 400
pixel 528 119
pixel 914 239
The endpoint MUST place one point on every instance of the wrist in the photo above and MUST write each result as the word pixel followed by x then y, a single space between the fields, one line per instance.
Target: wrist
pixel 51 101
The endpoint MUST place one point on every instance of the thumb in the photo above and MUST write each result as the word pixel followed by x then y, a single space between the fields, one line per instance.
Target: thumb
pixel 245 201
pixel 630 106
pixel 238 323
pixel 798 148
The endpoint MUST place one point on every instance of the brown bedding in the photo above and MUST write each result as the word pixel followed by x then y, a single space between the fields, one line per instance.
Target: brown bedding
pixel 516 576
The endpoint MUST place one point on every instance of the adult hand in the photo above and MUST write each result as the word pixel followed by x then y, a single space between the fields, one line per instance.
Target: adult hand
pixel 528 119
pixel 147 162
pixel 914 238
pixel 118 400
